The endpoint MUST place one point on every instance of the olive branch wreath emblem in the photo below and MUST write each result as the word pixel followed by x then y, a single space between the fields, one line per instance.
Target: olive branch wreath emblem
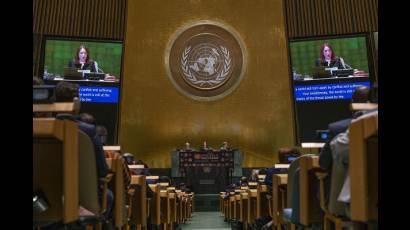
pixel 220 77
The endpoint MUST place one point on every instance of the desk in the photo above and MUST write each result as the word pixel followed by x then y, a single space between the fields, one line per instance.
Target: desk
pixel 206 171
pixel 331 80
pixel 83 82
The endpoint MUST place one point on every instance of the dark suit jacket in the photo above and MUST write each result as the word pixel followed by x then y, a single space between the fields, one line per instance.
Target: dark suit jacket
pixel 335 63
pixel 325 158
pixel 87 66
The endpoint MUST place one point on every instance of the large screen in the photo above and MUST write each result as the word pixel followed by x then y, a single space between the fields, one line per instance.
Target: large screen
pixel 324 72
pixel 59 52
pixel 99 95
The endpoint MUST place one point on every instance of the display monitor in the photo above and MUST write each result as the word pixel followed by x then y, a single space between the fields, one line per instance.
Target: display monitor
pixel 106 56
pixel 98 74
pixel 324 73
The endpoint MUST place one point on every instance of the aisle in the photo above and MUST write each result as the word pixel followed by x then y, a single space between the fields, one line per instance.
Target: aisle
pixel 206 220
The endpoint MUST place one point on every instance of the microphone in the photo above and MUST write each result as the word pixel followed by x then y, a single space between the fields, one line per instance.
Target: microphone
pixel 344 64
pixel 97 68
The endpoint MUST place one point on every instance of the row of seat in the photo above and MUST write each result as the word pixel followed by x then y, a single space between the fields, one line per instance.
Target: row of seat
pixel 65 178
pixel 248 203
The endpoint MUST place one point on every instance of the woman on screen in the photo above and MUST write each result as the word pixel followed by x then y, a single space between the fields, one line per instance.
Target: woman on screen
pixel 82 60
pixel 328 58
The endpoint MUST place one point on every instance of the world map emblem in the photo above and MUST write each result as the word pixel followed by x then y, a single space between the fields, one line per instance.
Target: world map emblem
pixel 206 66
pixel 205 61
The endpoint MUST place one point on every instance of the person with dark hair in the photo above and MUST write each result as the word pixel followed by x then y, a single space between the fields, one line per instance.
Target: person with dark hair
pixel 284 155
pixel 87 118
pixel 82 60
pixel 140 162
pixel 328 58
pixel 243 181
pixel 129 158
pixel 361 94
pixel 66 92
pixel 262 171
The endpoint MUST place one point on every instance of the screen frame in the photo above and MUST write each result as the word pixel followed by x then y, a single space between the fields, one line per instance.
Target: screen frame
pixel 77 39
pixel 46 38
pixel 370 63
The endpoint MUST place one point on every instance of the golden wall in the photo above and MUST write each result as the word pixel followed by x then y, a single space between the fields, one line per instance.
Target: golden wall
pixel 156 118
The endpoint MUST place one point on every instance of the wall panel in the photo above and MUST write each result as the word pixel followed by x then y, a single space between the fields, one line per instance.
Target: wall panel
pixel 156 118
pixel 330 17
pixel 93 18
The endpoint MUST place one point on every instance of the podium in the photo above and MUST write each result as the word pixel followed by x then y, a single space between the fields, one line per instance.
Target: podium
pixel 206 171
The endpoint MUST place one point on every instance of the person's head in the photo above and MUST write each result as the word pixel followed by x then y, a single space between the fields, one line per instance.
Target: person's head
pixel 82 54
pixel 102 133
pixel 140 162
pixel 66 91
pixel 361 94
pixel 87 118
pixel 284 153
pixel 129 158
pixel 244 179
pixel 37 81
pixel 262 171
pixel 326 52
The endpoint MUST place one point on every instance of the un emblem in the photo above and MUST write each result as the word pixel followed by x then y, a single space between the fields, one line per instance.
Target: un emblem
pixel 206 66
pixel 205 60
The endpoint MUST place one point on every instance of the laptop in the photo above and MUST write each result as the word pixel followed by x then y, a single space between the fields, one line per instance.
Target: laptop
pixel 343 72
pixel 94 76
pixel 71 73
pixel 321 72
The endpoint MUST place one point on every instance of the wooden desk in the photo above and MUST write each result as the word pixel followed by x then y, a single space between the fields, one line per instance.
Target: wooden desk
pixel 173 206
pixel 232 206
pixel 121 193
pixel 306 163
pixel 252 204
pixel 363 169
pixel 58 107
pixel 55 167
pixel 277 181
pixel 165 207
pixel 262 208
pixel 282 166
pixel 243 204
pixel 115 148
pixel 155 205
pixel 139 208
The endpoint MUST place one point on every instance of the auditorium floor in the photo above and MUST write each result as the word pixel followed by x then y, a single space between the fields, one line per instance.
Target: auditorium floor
pixel 206 220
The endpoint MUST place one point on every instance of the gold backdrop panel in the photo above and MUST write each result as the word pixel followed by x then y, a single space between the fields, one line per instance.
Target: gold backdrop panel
pixel 156 118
